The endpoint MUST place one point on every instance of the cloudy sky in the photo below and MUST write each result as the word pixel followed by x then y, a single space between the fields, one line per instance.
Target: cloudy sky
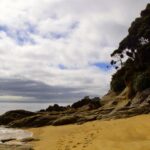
pixel 58 50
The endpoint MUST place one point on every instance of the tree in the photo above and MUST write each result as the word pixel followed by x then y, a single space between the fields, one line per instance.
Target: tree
pixel 136 48
pixel 137 43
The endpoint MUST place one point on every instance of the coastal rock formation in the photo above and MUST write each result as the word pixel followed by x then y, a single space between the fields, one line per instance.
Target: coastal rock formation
pixel 53 115
pixel 91 103
pixel 14 115
pixel 15 147
pixel 81 112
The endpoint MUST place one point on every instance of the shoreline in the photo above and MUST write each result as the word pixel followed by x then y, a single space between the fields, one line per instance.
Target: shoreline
pixel 15 139
pixel 15 147
pixel 83 125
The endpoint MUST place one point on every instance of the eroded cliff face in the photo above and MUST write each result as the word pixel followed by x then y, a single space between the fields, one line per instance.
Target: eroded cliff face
pixel 117 101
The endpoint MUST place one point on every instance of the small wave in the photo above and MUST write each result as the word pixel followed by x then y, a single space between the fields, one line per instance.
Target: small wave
pixel 8 133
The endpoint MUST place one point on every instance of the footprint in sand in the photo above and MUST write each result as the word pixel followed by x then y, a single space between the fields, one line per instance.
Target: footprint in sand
pixel 60 143
pixel 65 144
pixel 74 146
pixel 88 140
pixel 70 141
pixel 67 147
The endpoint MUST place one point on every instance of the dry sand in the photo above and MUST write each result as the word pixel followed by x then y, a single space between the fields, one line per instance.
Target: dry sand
pixel 123 134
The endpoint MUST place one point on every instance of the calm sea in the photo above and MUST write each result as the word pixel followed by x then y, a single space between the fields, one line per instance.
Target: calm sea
pixel 7 106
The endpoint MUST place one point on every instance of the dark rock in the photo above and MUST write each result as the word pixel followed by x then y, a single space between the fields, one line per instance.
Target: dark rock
pixel 80 112
pixel 42 110
pixel 92 103
pixel 15 147
pixel 141 97
pixel 29 139
pixel 14 115
pixel 33 121
pixel 7 140
pixel 65 120
pixel 56 107
pixel 86 100
pixel 95 103
pixel 87 118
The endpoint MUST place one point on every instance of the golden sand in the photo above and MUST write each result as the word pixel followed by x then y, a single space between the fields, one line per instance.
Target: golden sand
pixel 123 134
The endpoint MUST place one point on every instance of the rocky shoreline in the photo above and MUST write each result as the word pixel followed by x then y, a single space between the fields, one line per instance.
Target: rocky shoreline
pixel 110 107
pixel 14 144
pixel 15 139
pixel 80 112
pixel 15 147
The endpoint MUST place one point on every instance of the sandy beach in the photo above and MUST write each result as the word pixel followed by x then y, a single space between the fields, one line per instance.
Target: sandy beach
pixel 123 134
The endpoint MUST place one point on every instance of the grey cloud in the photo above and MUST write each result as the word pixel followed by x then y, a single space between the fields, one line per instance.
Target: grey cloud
pixel 86 7
pixel 95 28
pixel 111 33
pixel 38 91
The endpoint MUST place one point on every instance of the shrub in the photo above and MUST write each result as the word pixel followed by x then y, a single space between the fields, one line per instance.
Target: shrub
pixel 142 81
pixel 93 103
pixel 86 100
pixel 118 84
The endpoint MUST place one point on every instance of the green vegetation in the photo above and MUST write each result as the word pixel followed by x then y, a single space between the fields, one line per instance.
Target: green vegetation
pixel 134 72
pixel 142 81
pixel 93 103
pixel 118 84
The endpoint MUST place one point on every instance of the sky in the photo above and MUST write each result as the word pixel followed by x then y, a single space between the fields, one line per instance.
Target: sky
pixel 58 50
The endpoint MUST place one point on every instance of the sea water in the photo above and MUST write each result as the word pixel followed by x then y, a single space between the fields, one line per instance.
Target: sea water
pixel 8 133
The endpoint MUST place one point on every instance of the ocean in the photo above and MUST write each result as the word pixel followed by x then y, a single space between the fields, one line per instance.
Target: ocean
pixel 6 133
pixel 30 106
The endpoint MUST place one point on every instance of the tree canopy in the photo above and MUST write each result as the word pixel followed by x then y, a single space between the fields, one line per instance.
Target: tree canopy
pixel 137 43
pixel 135 47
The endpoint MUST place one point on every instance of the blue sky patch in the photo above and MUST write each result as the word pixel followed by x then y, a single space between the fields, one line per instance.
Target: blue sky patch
pixel 31 28
pixel 62 67
pixel 59 35
pixel 3 28
pixel 102 65
pixel 21 37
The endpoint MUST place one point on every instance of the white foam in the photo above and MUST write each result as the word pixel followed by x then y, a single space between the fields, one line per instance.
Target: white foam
pixel 8 133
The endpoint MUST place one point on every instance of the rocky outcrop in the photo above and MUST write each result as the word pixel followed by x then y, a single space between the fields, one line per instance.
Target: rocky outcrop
pixel 82 111
pixel 142 98
pixel 17 144
pixel 37 120
pixel 56 107
pixel 86 101
pixel 69 119
pixel 53 115
pixel 15 147
pixel 14 115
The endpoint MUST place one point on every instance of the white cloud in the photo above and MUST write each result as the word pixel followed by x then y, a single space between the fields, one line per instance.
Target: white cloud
pixel 72 33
